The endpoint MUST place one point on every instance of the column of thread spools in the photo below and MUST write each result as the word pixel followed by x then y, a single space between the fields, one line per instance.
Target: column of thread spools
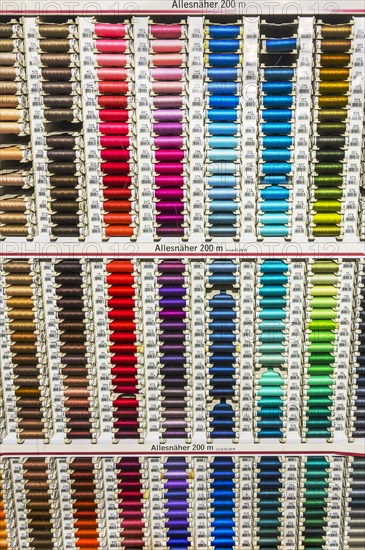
pixel 16 173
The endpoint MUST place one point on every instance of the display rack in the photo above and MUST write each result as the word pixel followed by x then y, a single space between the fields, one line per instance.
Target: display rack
pixel 147 457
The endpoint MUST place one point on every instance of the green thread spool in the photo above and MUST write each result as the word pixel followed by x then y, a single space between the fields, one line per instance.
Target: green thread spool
pixel 338 115
pixel 320 370
pixel 319 412
pixel 321 358
pixel 323 301
pixel 321 336
pixel 320 380
pixel 330 155
pixel 322 207
pixel 319 402
pixel 320 391
pixel 325 266
pixel 323 424
pixel 331 180
pixel 331 128
pixel 331 141
pixel 323 290
pixel 327 231
pixel 326 278
pixel 328 193
pixel 329 168
pixel 322 324
pixel 327 219
pixel 322 314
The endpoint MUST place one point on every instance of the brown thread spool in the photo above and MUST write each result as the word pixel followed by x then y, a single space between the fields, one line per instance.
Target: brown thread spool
pixel 8 88
pixel 31 424
pixel 54 45
pixel 81 463
pixel 55 60
pixel 6 45
pixel 57 88
pixel 75 370
pixel 80 413
pixel 336 31
pixel 334 74
pixel 24 337
pixel 64 181
pixel 75 382
pixel 58 101
pixel 11 154
pixel 72 338
pixel 332 101
pixel 334 87
pixel 6 30
pixel 12 205
pixel 18 290
pixel 28 361
pixel 35 462
pixel 66 206
pixel 27 392
pixel 54 31
pixel 11 219
pixel 10 115
pixel 77 402
pixel 35 485
pixel 30 413
pixel 14 230
pixel 8 58
pixel 61 155
pixel 9 101
pixel 27 382
pixel 19 278
pixel 72 348
pixel 31 434
pixel 59 115
pixel 65 193
pixel 24 348
pixel 76 392
pixel 335 60
pixel 12 266
pixel 26 370
pixel 60 219
pixel 10 128
pixel 20 313
pixel 67 279
pixel 8 73
pixel 61 141
pixel 38 471
pixel 335 45
pixel 56 74
pixel 30 402
pixel 64 168
pixel 13 179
